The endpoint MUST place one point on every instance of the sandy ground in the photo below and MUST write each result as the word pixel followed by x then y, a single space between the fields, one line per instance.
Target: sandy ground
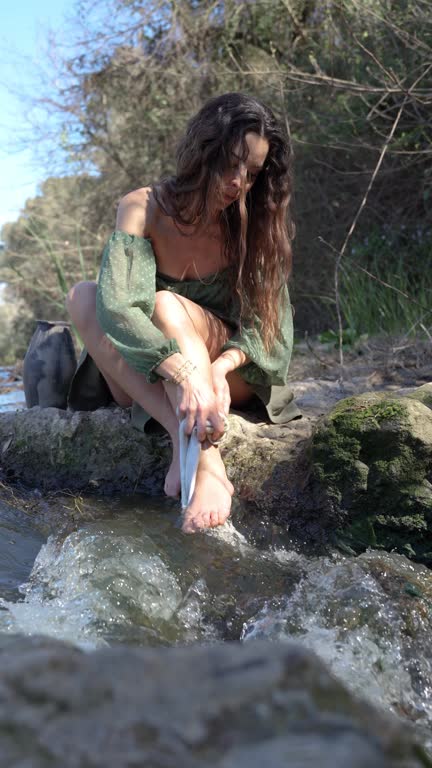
pixel 398 361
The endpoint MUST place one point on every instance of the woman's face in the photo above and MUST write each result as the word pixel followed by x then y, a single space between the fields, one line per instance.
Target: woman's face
pixel 244 172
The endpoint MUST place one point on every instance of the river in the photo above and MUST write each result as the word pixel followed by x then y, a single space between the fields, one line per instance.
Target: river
pixel 11 393
pixel 129 575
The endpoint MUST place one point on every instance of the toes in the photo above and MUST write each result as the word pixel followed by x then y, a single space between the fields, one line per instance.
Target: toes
pixel 188 528
pixel 223 516
pixel 219 517
pixel 196 523
pixel 188 525
pixel 206 520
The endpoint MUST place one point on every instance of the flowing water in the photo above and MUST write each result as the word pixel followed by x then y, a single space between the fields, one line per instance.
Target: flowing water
pixel 130 575
pixel 134 577
pixel 11 393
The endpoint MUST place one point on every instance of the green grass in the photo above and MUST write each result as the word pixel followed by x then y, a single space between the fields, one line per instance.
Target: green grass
pixel 369 307
pixel 386 283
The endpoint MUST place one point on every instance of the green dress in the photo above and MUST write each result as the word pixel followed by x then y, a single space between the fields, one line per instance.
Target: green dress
pixel 127 287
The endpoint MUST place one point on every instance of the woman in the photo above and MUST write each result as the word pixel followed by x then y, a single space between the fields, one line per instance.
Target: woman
pixel 191 312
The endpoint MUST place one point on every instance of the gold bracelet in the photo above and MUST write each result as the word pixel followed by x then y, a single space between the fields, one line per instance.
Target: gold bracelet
pixel 179 371
pixel 185 375
pixel 182 373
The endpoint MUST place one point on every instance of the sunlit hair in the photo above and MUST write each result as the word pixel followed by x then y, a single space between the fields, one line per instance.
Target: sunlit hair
pixel 257 228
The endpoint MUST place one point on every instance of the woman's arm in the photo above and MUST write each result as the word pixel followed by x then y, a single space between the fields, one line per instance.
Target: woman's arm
pixel 126 291
pixel 135 213
pixel 125 306
pixel 246 348
pixel 230 360
pixel 226 363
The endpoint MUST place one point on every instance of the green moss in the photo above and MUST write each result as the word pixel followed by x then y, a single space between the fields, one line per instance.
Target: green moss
pixel 360 534
pixel 335 461
pixel 388 472
pixel 413 590
pixel 403 522
pixel 353 412
pixel 260 465
pixel 374 473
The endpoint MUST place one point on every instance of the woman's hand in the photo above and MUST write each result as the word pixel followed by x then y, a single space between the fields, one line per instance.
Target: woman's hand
pixel 220 368
pixel 198 404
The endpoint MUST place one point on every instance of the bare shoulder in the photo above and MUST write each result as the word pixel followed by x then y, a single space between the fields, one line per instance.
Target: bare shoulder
pixel 136 212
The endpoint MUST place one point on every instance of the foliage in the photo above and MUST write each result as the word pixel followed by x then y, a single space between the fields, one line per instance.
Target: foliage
pixel 398 259
pixel 49 248
pixel 11 347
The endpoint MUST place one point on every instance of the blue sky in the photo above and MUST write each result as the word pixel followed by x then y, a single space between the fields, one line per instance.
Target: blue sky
pixel 24 32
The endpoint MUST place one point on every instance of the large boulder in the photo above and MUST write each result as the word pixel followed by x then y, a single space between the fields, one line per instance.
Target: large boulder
pixel 364 479
pixel 52 449
pixel 372 462
pixel 100 451
pixel 228 706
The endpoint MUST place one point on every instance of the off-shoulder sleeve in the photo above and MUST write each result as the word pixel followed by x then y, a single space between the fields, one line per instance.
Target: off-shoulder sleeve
pixel 125 303
pixel 266 368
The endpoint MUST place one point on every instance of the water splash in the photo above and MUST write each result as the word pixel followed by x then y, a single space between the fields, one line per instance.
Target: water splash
pixel 98 586
pixel 137 579
pixel 140 580
pixel 370 620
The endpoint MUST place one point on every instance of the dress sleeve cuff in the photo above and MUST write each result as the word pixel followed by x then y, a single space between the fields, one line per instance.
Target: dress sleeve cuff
pixel 151 375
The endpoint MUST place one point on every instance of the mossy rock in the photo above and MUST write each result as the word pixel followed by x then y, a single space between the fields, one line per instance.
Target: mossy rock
pixel 423 394
pixel 372 459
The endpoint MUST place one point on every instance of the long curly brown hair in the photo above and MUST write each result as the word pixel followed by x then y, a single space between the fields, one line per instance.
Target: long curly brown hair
pixel 257 228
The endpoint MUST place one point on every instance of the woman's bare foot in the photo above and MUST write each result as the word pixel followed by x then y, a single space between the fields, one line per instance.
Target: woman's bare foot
pixel 211 501
pixel 172 485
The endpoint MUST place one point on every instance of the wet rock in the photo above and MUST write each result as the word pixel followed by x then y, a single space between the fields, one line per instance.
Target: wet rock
pixel 366 475
pixel 100 451
pixel 220 705
pixel 369 619
pixel 372 459
pixel 56 449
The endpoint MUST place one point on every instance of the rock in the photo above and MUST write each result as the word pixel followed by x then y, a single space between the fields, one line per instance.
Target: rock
pixel 424 394
pixel 56 449
pixel 226 706
pixel 100 451
pixel 372 458
pixel 366 475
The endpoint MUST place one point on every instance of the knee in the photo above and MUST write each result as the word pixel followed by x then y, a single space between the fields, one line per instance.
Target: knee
pixel 81 302
pixel 169 311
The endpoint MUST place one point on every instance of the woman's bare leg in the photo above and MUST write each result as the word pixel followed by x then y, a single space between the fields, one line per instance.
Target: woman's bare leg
pixel 200 336
pixel 125 383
